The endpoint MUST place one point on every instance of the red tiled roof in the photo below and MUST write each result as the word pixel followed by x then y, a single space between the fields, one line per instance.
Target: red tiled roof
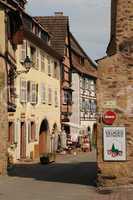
pixel 86 69
pixel 89 68
pixel 58 27
pixel 41 44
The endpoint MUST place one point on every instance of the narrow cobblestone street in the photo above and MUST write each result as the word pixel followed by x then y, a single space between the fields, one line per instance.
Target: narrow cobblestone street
pixel 70 178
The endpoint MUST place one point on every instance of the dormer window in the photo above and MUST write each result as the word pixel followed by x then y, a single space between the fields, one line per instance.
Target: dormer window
pixel 44 36
pixel 82 61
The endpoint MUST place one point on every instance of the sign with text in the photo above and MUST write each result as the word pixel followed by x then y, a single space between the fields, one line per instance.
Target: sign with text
pixel 114 143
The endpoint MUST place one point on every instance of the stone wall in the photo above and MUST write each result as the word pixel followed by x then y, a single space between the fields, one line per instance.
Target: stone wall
pixel 3 119
pixel 121 24
pixel 115 84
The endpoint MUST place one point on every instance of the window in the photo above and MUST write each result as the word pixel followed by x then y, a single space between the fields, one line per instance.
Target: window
pixel 23 91
pixel 37 58
pixel 23 51
pixel 11 137
pixel 86 84
pixel 33 54
pixel 44 36
pixel 67 97
pixel 93 106
pixel 82 61
pixel 28 90
pixel 89 105
pixel 83 104
pixel 43 93
pixel 92 85
pixel 42 62
pixel 56 99
pixel 49 96
pixel 33 93
pixel 83 83
pixel 55 70
pixel 49 67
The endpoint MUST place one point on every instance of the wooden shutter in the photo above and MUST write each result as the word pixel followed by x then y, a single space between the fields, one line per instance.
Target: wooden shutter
pixel 37 58
pixel 49 66
pixel 49 96
pixel 23 91
pixel 28 91
pixel 36 93
pixel 43 93
pixel 42 62
pixel 56 99
pixel 33 93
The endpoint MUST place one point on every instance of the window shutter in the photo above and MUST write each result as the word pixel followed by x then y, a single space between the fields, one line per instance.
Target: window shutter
pixel 33 93
pixel 49 96
pixel 43 93
pixel 56 99
pixel 42 62
pixel 36 93
pixel 28 91
pixel 37 58
pixel 23 91
pixel 49 66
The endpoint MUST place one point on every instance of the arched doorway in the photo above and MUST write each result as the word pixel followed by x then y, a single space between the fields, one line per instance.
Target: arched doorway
pixel 43 136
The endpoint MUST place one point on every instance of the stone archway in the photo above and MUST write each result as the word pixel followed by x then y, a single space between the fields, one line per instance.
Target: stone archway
pixel 43 136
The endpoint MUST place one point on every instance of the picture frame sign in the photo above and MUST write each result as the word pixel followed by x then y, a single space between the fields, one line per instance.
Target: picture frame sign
pixel 114 142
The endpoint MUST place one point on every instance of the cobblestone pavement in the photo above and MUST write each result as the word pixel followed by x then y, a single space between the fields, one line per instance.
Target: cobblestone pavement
pixel 70 178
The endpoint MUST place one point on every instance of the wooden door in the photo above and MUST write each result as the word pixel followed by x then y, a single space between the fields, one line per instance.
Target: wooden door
pixel 42 143
pixel 23 141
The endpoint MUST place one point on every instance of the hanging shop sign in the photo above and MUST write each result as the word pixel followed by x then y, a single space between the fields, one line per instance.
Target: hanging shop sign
pixel 114 143
pixel 109 117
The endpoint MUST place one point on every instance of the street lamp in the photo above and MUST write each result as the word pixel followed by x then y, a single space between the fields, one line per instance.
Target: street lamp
pixel 27 64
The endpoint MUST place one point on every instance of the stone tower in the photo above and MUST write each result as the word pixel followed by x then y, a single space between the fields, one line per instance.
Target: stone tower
pixel 115 93
pixel 121 24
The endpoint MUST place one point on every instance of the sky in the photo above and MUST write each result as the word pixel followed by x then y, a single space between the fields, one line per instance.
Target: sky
pixel 89 21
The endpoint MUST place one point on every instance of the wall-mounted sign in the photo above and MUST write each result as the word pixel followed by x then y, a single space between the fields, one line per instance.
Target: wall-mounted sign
pixel 114 142
pixel 109 117
pixel 110 104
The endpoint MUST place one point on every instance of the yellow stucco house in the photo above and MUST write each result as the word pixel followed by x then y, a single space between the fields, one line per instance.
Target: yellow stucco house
pixel 37 94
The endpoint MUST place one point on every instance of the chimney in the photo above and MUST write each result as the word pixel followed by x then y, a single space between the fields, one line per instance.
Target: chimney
pixel 58 13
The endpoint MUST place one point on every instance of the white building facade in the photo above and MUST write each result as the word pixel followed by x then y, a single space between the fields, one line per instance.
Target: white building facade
pixel 84 75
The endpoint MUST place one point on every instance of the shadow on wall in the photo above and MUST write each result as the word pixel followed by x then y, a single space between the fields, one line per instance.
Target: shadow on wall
pixel 83 173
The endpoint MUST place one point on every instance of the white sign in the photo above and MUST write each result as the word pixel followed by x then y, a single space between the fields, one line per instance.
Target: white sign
pixel 110 104
pixel 114 143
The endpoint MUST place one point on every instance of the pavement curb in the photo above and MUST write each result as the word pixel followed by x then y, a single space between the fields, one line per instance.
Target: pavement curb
pixel 114 189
